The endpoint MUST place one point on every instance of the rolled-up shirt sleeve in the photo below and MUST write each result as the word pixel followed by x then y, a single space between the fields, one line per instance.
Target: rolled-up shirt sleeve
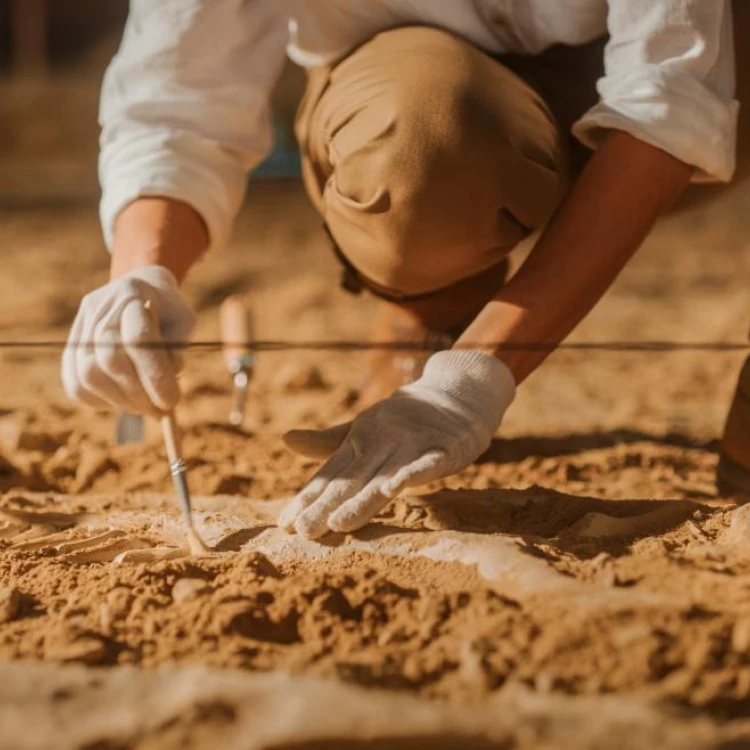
pixel 670 81
pixel 185 105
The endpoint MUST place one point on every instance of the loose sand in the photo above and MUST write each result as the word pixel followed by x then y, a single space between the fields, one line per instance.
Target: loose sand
pixel 582 586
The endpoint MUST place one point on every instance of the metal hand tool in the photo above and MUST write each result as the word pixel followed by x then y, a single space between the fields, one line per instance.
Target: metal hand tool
pixel 129 429
pixel 237 334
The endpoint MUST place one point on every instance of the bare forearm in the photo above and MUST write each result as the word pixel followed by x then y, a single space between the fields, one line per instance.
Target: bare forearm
pixel 158 231
pixel 610 210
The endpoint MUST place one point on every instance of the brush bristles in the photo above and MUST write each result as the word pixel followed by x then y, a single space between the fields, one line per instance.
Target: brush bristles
pixel 196 544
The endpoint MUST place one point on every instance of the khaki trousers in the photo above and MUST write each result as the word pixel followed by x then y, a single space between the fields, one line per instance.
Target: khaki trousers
pixel 428 159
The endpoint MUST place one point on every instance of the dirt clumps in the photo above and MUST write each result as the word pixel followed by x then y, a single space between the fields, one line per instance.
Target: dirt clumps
pixel 10 600
pixel 557 619
pixel 612 607
pixel 358 625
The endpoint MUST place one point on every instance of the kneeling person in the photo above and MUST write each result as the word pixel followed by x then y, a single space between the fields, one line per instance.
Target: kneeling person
pixel 435 137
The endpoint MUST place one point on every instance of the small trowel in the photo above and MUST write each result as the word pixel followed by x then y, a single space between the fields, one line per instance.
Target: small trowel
pixel 237 336
pixel 129 429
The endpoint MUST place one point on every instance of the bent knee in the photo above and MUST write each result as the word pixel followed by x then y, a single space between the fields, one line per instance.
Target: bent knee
pixel 425 164
pixel 407 87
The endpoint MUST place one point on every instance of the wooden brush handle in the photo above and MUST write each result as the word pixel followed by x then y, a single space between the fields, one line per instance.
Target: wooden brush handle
pixel 170 429
pixel 171 433
pixel 236 329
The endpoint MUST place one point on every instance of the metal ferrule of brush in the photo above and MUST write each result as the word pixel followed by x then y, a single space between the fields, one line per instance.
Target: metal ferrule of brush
pixel 177 467
pixel 178 470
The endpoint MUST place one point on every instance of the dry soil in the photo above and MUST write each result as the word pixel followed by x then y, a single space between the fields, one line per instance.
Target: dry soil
pixel 582 586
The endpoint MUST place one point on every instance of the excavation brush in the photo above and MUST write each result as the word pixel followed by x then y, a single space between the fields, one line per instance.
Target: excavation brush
pixel 177 468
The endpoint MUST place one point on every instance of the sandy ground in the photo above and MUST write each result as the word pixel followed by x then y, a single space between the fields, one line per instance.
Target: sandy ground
pixel 582 586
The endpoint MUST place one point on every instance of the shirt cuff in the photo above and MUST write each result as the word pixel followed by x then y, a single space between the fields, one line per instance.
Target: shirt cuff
pixel 671 111
pixel 203 175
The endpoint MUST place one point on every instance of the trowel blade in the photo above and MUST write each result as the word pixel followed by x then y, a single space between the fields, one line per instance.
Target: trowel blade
pixel 240 383
pixel 129 429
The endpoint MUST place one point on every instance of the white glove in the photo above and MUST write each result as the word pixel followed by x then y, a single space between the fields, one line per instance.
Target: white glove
pixel 430 429
pixel 119 372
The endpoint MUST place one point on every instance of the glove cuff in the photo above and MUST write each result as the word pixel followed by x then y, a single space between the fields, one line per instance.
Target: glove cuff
pixel 477 380
pixel 159 277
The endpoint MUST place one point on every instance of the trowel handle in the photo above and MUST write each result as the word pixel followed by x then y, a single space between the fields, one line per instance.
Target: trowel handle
pixel 236 331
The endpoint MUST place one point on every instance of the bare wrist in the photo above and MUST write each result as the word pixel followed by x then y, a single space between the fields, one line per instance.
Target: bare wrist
pixel 158 231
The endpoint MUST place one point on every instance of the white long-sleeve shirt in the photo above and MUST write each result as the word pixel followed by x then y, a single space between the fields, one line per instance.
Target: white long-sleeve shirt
pixel 185 105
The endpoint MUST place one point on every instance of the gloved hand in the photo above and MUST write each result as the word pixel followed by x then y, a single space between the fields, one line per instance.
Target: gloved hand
pixel 132 378
pixel 430 429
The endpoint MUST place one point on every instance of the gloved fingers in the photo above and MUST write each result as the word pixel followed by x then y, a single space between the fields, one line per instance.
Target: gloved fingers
pixel 130 376
pixel 79 387
pixel 363 507
pixel 337 463
pixel 180 321
pixel 318 444
pixel 114 363
pixel 176 353
pixel 95 388
pixel 177 319
pixel 89 386
pixel 359 509
pixel 363 470
pixel 427 468
pixel 153 364
pixel 68 371
pixel 312 523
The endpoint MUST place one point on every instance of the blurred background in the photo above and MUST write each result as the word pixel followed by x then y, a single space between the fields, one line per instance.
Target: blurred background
pixel 51 57
pixel 690 282
pixel 53 54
